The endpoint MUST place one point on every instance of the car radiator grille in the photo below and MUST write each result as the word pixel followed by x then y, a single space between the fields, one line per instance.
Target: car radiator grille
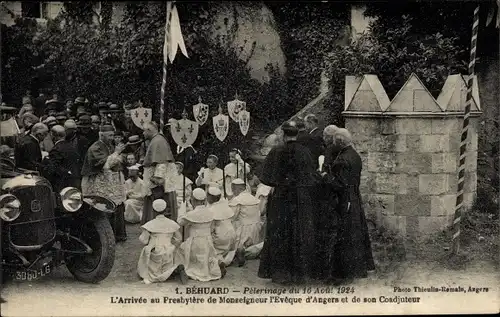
pixel 35 225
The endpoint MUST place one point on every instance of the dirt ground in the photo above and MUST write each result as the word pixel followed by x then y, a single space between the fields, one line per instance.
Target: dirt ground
pixel 59 294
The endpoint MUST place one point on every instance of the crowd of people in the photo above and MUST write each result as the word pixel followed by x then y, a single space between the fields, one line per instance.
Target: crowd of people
pixel 301 215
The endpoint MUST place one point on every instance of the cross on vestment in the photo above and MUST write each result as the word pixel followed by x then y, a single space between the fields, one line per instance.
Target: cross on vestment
pixel 178 128
pixel 137 114
pixel 184 138
pixel 146 113
pixel 191 129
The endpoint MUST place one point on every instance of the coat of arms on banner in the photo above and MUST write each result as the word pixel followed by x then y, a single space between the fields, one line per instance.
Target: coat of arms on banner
pixel 200 112
pixel 244 121
pixel 141 116
pixel 234 107
pixel 221 125
pixel 184 131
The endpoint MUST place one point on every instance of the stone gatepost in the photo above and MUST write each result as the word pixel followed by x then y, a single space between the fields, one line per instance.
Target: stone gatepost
pixel 410 152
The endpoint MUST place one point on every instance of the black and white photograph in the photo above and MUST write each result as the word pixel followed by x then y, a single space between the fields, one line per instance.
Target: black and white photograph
pixel 246 158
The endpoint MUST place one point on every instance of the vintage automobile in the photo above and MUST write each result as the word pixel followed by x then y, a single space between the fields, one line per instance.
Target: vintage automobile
pixel 42 229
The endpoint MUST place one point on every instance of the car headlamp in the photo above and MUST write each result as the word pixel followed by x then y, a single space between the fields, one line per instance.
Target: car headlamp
pixel 9 207
pixel 71 199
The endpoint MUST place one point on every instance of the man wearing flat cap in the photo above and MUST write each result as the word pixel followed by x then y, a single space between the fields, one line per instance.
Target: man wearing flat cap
pixel 79 142
pixel 84 125
pixel 102 175
pixel 47 143
pixel 288 250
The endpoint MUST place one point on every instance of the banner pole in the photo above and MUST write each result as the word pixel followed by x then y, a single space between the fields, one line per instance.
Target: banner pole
pixel 463 142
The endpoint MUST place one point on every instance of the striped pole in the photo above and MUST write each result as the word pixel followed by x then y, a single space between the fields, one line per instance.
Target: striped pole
pixel 463 141
pixel 165 61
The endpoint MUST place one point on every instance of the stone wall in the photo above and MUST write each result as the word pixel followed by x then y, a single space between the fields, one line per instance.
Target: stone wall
pixel 410 154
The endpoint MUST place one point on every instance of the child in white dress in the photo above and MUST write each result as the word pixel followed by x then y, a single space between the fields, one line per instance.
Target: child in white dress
pixel 223 233
pixel 162 237
pixel 197 252
pixel 247 222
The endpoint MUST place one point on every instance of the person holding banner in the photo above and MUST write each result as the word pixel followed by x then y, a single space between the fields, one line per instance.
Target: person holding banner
pixel 234 170
pixel 159 173
pixel 212 175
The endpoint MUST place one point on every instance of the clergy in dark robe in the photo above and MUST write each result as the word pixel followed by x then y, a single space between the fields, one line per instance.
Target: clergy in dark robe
pixel 28 154
pixel 102 176
pixel 63 169
pixel 314 137
pixel 325 220
pixel 288 250
pixel 159 174
pixel 350 248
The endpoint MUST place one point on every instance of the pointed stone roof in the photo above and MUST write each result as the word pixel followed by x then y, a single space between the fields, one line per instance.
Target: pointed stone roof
pixel 370 95
pixel 414 97
pixel 454 94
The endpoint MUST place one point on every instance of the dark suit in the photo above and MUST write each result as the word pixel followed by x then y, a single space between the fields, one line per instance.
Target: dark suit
pixel 314 142
pixel 81 144
pixel 63 166
pixel 28 154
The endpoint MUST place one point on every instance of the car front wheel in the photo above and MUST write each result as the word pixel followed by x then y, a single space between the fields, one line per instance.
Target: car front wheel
pixel 95 266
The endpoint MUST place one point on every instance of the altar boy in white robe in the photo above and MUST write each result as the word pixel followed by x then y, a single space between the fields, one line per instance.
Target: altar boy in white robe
pixel 262 195
pixel 161 235
pixel 211 175
pixel 223 233
pixel 134 192
pixel 247 222
pixel 197 252
pixel 234 170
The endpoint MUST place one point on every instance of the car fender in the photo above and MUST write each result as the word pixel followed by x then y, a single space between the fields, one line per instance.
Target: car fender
pixel 96 206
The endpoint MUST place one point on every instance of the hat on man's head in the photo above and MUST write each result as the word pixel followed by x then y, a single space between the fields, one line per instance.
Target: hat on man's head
pixel 52 102
pixel 134 139
pixel 95 118
pixel 80 100
pixel 214 191
pixel 106 128
pixel 159 205
pixel 290 128
pixel 102 105
pixel 84 121
pixel 70 124
pixel 50 120
pixel 115 108
pixel 199 194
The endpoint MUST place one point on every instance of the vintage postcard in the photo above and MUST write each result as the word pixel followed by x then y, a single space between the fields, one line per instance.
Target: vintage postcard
pixel 249 158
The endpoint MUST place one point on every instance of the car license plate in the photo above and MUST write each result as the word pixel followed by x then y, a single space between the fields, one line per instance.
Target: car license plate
pixel 32 274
